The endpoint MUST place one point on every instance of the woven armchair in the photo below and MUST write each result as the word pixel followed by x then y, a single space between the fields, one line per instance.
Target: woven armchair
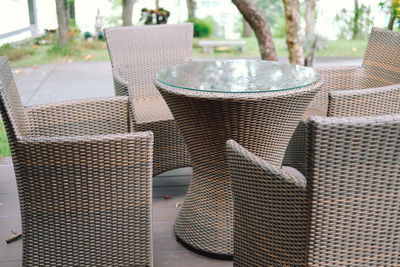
pixel 370 89
pixel 137 53
pixel 380 68
pixel 345 213
pixel 84 181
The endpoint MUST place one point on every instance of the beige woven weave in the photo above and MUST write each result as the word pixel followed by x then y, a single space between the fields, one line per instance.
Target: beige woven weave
pixel 264 122
pixel 137 53
pixel 84 182
pixel 371 89
pixel 345 213
pixel 380 68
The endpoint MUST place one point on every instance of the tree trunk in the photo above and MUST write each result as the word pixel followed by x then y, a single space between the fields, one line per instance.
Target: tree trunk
pixel 293 31
pixel 247 31
pixel 191 6
pixel 355 20
pixel 391 22
pixel 63 22
pixel 310 18
pixel 127 8
pixel 260 25
pixel 71 11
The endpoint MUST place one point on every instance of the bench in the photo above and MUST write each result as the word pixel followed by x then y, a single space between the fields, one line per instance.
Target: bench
pixel 208 45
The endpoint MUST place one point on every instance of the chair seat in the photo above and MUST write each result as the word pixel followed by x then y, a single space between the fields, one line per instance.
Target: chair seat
pixel 150 109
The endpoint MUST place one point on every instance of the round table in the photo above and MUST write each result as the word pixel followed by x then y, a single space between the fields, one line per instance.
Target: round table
pixel 256 103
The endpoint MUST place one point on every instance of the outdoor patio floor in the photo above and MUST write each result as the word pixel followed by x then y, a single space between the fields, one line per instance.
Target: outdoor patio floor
pixel 167 251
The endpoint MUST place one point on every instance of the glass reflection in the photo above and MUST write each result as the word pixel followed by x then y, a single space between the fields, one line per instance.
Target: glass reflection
pixel 237 76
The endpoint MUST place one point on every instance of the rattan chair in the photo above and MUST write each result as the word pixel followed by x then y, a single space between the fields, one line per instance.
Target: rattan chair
pixel 137 53
pixel 380 68
pixel 84 181
pixel 345 213
pixel 370 89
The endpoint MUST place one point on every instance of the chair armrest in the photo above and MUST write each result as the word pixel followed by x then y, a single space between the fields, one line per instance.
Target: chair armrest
pixel 131 143
pixel 129 150
pixel 371 101
pixel 334 78
pixel 120 85
pixel 241 160
pixel 343 77
pixel 271 208
pixel 98 116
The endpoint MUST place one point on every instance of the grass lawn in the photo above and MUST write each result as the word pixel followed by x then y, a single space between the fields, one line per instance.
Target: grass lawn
pixel 94 51
pixel 4 149
pixel 97 51
pixel 337 48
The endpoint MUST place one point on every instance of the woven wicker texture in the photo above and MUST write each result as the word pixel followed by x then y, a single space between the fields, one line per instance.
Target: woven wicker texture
pixel 137 53
pixel 84 182
pixel 371 89
pixel 264 122
pixel 346 215
pixel 270 212
pixel 380 68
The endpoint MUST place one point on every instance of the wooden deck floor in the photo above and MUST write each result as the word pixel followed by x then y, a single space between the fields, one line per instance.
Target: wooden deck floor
pixel 167 252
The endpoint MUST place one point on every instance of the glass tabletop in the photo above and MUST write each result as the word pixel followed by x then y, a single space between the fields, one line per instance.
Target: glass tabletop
pixel 237 76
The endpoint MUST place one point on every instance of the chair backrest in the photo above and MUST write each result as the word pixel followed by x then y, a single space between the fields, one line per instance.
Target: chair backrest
pixel 353 181
pixel 382 56
pixel 141 51
pixel 11 107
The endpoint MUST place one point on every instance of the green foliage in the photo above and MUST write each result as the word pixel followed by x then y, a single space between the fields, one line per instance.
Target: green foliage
pixel 203 27
pixel 279 29
pixel 392 8
pixel 273 10
pixel 72 22
pixel 355 24
pixel 4 148
pixel 16 53
pixel 69 49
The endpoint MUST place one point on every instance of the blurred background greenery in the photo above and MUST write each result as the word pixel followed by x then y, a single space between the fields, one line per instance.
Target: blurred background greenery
pixel 352 26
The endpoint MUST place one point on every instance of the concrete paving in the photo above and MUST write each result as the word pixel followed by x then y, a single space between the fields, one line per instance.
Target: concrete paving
pixel 64 81
pixel 77 80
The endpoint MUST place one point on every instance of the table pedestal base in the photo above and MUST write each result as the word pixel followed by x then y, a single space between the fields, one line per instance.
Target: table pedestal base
pixel 205 222
pixel 202 252
pixel 263 123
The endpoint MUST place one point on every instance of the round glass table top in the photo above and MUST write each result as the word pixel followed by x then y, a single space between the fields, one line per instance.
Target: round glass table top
pixel 237 76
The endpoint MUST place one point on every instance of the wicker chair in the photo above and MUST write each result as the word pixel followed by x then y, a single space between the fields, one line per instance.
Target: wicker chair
pixel 137 53
pixel 345 213
pixel 84 182
pixel 380 68
pixel 370 89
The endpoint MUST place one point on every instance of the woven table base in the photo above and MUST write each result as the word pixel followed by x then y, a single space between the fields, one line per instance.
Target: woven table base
pixel 261 122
